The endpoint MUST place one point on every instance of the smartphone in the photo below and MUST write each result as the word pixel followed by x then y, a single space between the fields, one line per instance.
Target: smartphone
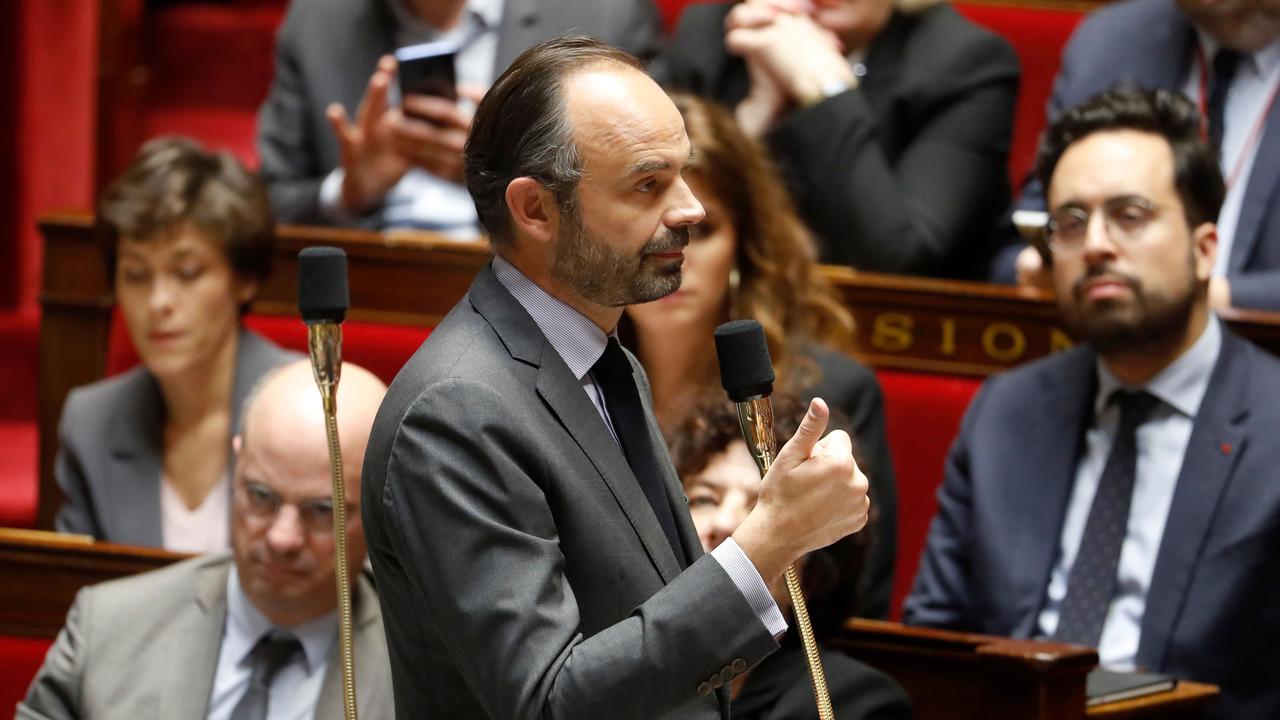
pixel 1033 226
pixel 427 69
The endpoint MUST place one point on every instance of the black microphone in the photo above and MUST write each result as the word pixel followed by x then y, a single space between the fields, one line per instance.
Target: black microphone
pixel 323 302
pixel 746 372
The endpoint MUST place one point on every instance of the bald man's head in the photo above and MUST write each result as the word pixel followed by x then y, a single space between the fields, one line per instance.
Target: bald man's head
pixel 281 528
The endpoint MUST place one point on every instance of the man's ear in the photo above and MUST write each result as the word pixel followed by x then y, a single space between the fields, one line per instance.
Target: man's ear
pixel 535 214
pixel 236 444
pixel 1204 245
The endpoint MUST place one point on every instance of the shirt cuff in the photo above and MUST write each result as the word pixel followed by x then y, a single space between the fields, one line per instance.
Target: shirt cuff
pixel 744 575
pixel 331 207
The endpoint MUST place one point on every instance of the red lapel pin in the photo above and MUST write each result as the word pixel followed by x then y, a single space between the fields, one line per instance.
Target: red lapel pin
pixel 1225 448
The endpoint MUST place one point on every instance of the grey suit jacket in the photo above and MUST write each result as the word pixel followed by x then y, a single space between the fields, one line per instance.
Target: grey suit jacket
pixel 326 51
pixel 110 452
pixel 522 572
pixel 147 647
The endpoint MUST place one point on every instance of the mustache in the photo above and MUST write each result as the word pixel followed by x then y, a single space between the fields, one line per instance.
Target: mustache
pixel 669 240
pixel 1103 271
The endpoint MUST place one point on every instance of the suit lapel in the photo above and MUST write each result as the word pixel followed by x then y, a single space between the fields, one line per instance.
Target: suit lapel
pixel 195 641
pixel 564 396
pixel 1260 194
pixel 1217 440
pixel 132 475
pixel 1060 413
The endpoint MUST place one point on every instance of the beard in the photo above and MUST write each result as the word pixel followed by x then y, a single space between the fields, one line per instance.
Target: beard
pixel 1144 322
pixel 611 277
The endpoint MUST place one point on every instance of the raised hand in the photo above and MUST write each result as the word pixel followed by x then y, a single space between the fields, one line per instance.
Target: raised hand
pixel 813 495
pixel 370 161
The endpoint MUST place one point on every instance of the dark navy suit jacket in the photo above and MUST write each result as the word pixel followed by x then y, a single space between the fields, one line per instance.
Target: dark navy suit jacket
pixel 1150 43
pixel 1213 608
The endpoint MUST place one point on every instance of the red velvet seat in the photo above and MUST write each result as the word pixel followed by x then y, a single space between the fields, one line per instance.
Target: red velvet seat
pixel 922 416
pixel 1038 36
pixel 378 347
pixel 20 658
pixel 19 451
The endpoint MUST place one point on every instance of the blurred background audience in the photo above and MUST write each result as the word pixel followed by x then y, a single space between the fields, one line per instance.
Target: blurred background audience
pixel 144 458
pixel 891 121
pixel 337 148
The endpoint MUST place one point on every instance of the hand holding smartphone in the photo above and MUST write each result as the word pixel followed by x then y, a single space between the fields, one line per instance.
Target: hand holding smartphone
pixel 428 69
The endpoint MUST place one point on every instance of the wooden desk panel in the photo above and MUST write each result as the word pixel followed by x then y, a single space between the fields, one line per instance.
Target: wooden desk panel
pixel 414 278
pixel 950 676
pixel 43 572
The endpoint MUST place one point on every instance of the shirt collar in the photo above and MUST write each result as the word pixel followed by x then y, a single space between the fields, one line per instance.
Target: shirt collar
pixel 578 340
pixel 1264 61
pixel 246 625
pixel 488 12
pixel 1182 384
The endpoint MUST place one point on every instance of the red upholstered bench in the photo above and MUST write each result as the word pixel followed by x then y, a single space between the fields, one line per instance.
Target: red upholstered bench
pixel 215 101
pixel 1038 35
pixel 922 416
pixel 19 339
pixel 20 658
pixel 378 347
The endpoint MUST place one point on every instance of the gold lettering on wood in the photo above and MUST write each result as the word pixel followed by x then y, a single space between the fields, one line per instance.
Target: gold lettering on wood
pixel 948 336
pixel 1003 351
pixel 1058 340
pixel 892 332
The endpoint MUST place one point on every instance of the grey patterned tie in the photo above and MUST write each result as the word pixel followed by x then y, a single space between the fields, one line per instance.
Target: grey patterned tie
pixel 1093 575
pixel 270 654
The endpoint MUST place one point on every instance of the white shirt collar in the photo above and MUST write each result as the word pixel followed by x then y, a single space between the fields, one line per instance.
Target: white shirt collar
pixel 1264 61
pixel 573 335
pixel 246 625
pixel 1182 384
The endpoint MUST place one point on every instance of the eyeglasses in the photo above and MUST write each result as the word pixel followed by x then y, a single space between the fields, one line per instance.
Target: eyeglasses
pixel 260 501
pixel 1125 218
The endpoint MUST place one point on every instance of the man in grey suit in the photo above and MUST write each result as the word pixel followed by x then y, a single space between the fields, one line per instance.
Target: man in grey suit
pixel 534 552
pixel 388 168
pixel 248 635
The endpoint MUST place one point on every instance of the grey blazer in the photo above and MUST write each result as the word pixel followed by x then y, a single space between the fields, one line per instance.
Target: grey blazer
pixel 110 452
pixel 522 573
pixel 326 50
pixel 112 661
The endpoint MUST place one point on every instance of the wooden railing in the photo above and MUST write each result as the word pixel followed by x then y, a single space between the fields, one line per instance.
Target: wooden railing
pixel 949 676
pixel 413 279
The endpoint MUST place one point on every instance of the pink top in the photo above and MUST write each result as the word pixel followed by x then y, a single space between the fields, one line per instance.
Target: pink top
pixel 202 530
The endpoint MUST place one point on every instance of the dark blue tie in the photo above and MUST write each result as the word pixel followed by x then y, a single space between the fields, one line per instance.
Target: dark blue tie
pixel 270 654
pixel 613 376
pixel 1225 63
pixel 1092 582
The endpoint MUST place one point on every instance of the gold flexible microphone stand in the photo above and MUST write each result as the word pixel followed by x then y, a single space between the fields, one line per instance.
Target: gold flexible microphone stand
pixel 324 340
pixel 323 301
pixel 755 418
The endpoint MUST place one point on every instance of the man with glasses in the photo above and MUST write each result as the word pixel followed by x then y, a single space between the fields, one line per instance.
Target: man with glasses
pixel 1124 494
pixel 253 634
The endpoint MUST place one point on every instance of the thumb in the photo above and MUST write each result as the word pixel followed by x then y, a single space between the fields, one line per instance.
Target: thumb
pixel 800 447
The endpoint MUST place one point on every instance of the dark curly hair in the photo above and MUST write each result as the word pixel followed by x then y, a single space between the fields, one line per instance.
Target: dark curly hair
pixel 832 576
pixel 1168 114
